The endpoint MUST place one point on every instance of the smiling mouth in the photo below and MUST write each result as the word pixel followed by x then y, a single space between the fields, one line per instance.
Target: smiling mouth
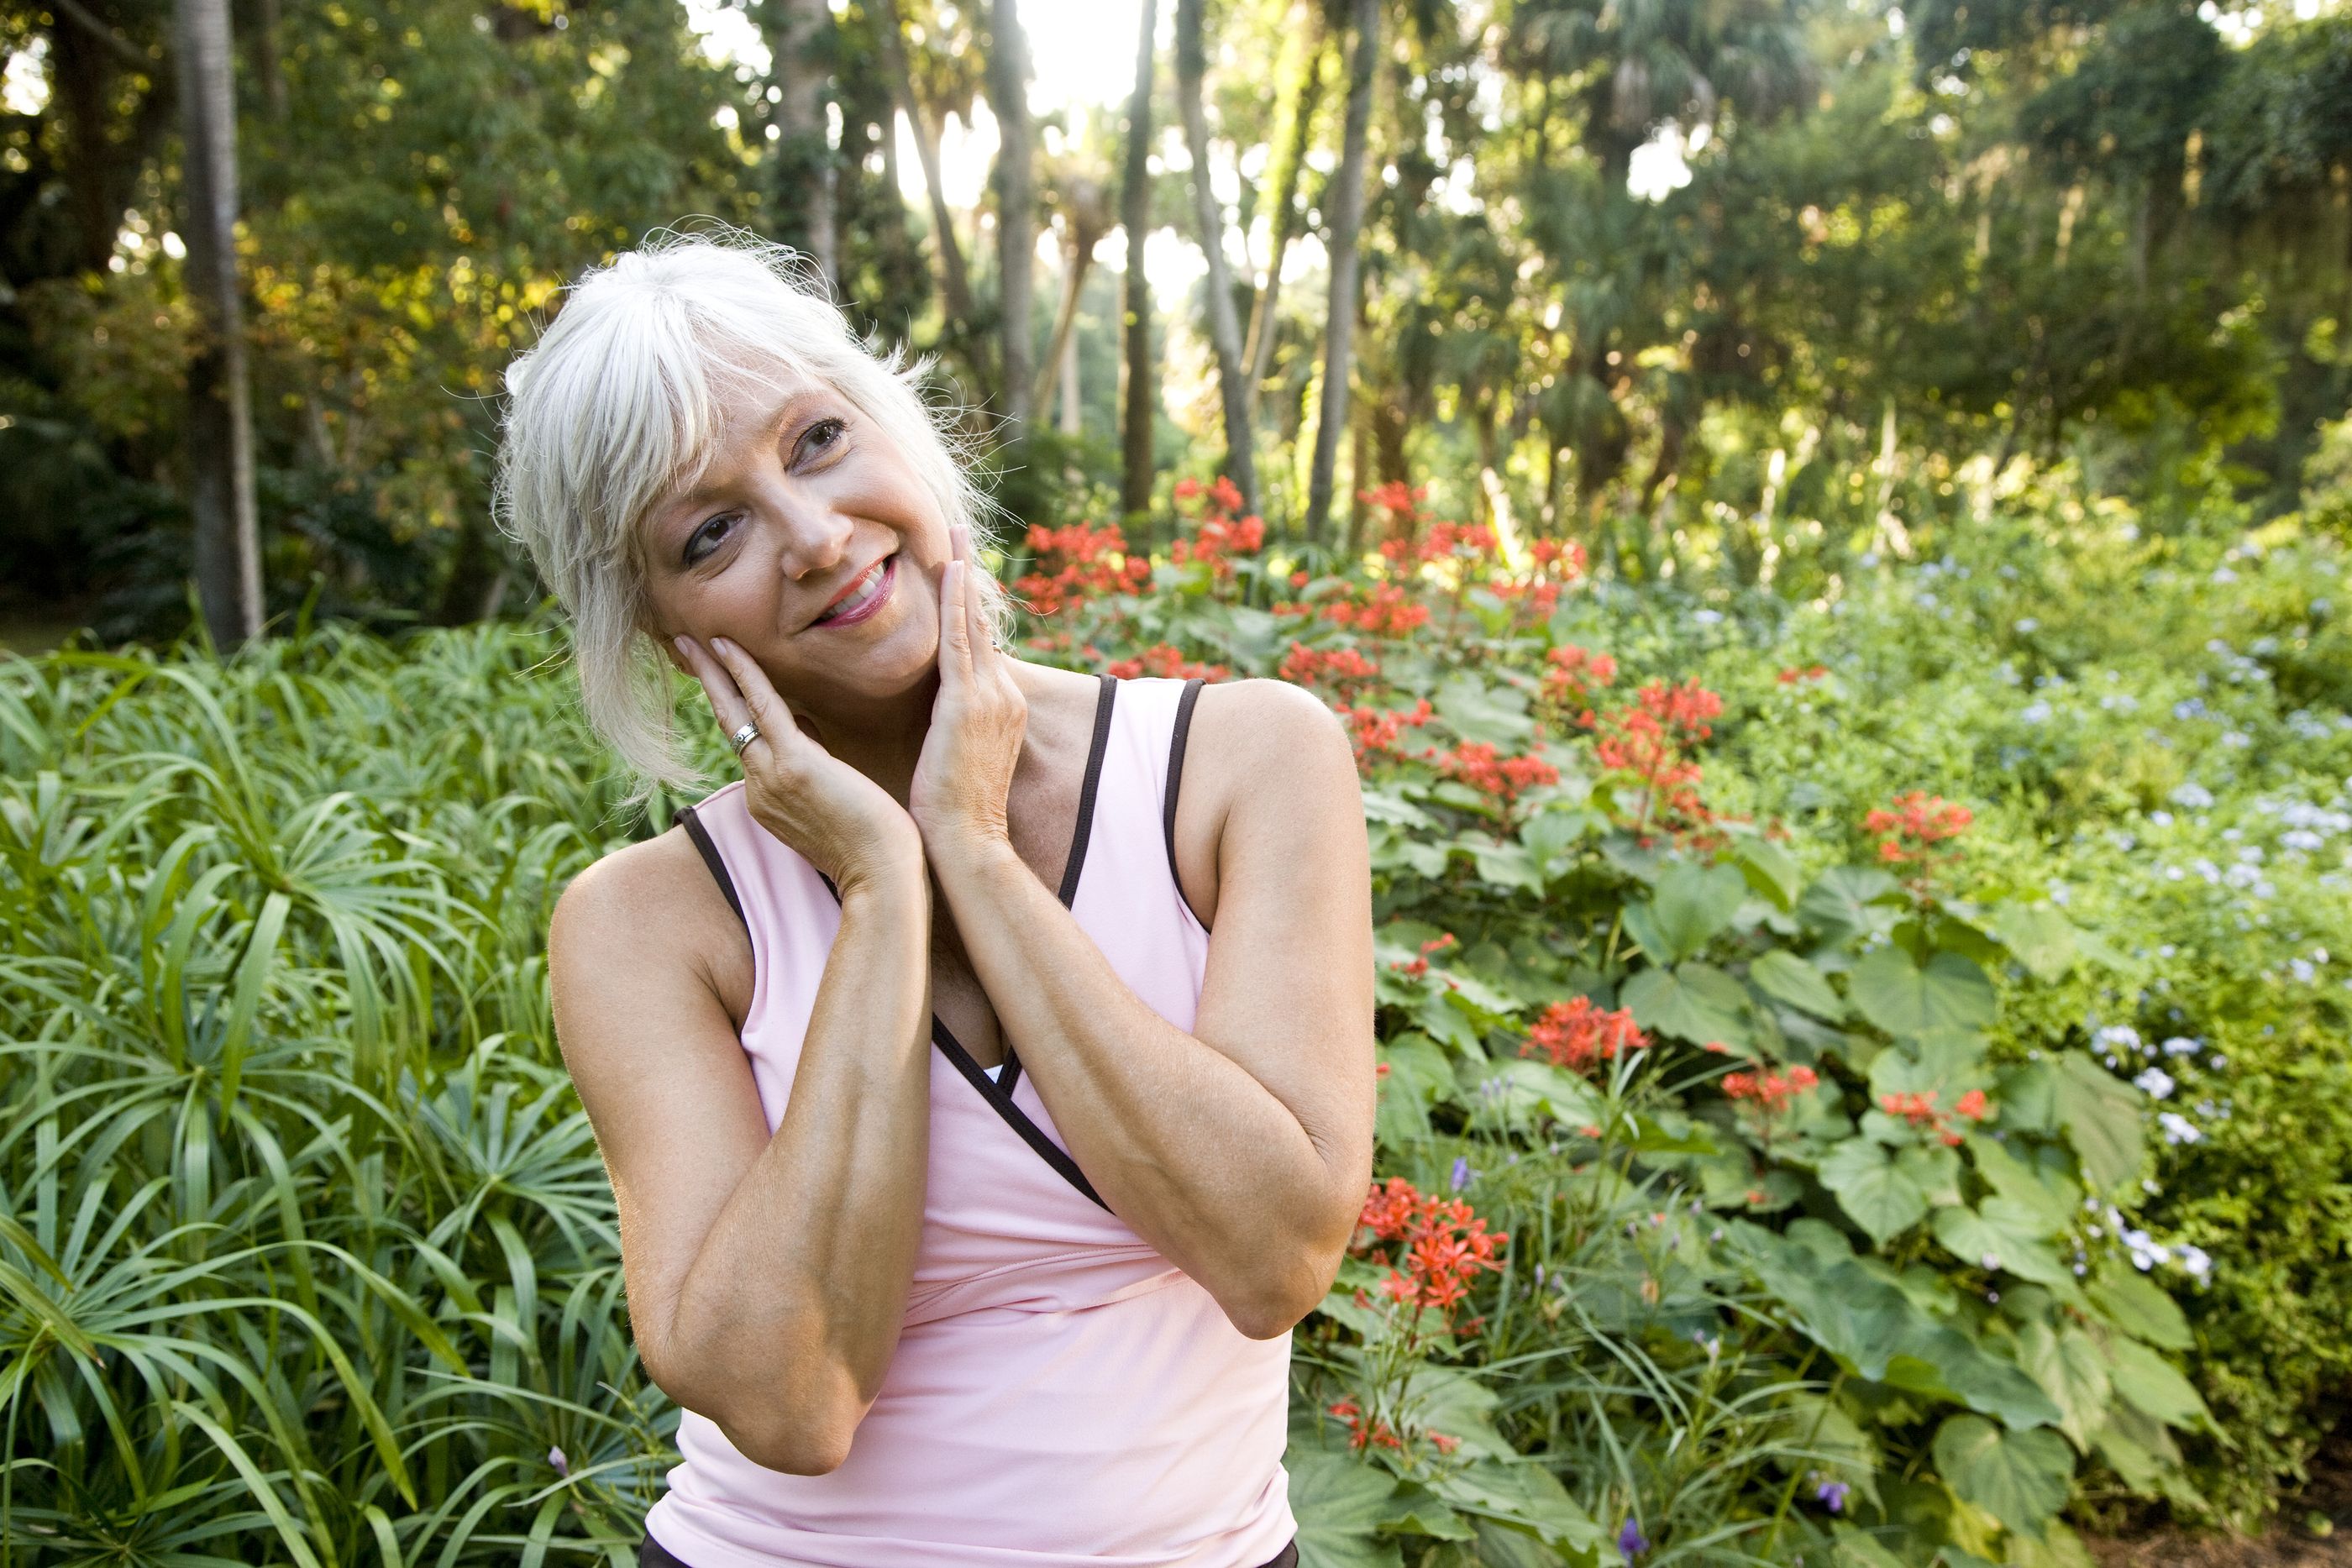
pixel 872 592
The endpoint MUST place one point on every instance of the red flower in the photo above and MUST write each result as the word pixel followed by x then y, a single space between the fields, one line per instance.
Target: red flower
pixel 1076 562
pixel 1476 764
pixel 1578 1035
pixel 1444 1243
pixel 1165 658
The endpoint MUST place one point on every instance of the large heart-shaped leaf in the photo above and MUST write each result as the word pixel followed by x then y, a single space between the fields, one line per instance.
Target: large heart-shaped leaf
pixel 1784 976
pixel 2134 1304
pixel 2067 1365
pixel 2153 1384
pixel 1874 1190
pixel 2101 1114
pixel 2003 1235
pixel 1902 998
pixel 2020 1478
pixel 1686 911
pixel 2041 938
pixel 1695 1001
pixel 1476 711
pixel 1840 903
pixel 1339 1504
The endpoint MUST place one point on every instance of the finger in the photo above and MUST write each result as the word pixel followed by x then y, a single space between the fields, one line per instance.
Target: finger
pixel 726 702
pixel 955 630
pixel 984 649
pixel 759 696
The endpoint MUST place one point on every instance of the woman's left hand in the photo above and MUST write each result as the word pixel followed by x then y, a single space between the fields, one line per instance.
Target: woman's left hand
pixel 978 720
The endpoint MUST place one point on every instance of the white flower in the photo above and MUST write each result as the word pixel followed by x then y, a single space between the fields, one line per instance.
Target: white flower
pixel 2180 1045
pixel 1706 617
pixel 2027 623
pixel 2302 969
pixel 2178 1128
pixel 2157 1082
pixel 2035 712
pixel 2161 818
pixel 2193 796
pixel 2118 1036
pixel 2196 1259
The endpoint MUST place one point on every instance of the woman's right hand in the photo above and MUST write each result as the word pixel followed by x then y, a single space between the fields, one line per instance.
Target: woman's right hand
pixel 841 821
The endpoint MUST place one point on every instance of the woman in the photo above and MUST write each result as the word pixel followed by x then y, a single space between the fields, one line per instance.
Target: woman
pixel 925 1297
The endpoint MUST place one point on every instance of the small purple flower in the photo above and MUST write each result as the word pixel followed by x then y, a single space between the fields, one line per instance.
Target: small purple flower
pixel 1832 1495
pixel 563 1465
pixel 1462 1171
pixel 1631 1541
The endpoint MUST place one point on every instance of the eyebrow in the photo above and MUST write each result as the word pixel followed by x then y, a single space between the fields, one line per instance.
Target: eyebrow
pixel 778 417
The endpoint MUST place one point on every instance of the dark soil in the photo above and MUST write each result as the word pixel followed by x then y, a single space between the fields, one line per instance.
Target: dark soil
pixel 2290 1542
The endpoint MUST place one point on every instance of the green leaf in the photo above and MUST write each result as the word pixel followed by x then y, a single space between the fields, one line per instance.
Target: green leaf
pixel 2067 1365
pixel 1876 1332
pixel 1853 1548
pixel 1526 1494
pixel 2102 1115
pixel 1768 867
pixel 1417 1510
pixel 1686 911
pixel 1476 711
pixel 1341 1504
pixel 1903 998
pixel 2134 1304
pixel 2020 1478
pixel 1872 1189
pixel 2049 1197
pixel 2153 1385
pixel 1784 976
pixel 1839 903
pixel 1548 836
pixel 1696 1001
pixel 2003 1235
pixel 2041 938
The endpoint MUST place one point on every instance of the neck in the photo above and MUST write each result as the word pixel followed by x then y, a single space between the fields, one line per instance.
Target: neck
pixel 882 738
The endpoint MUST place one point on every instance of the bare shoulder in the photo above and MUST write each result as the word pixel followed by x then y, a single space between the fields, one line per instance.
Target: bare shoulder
pixel 1249 732
pixel 647 916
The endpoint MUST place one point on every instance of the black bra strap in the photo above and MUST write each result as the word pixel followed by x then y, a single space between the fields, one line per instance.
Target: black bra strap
pixel 997 1092
pixel 1176 775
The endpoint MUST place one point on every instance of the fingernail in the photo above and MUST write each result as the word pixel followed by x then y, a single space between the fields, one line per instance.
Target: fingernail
pixel 679 643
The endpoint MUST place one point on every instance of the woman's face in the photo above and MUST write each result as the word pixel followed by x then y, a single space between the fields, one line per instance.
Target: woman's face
pixel 773 548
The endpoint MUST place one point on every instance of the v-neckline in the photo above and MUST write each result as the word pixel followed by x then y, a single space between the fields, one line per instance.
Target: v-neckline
pixel 998 1090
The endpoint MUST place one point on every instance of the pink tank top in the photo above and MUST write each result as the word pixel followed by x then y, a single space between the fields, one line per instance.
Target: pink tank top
pixel 1061 1393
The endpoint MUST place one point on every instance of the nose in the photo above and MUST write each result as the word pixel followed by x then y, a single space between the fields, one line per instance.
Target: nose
pixel 813 538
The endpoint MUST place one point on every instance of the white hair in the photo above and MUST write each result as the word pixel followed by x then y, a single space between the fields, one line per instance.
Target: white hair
pixel 621 403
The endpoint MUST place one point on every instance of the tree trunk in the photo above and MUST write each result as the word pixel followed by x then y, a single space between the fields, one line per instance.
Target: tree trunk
pixel 1347 223
pixel 1016 205
pixel 1135 217
pixel 1224 323
pixel 955 284
pixel 800 39
pixel 1305 92
pixel 1085 211
pixel 220 406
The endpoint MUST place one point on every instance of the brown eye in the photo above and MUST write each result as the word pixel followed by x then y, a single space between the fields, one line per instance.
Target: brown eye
pixel 709 533
pixel 822 436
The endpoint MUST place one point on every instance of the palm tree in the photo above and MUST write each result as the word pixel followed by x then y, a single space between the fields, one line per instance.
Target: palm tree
pixel 220 404
pixel 1135 217
pixel 1346 225
pixel 1224 324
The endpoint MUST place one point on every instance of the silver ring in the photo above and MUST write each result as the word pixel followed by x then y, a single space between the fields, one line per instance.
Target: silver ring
pixel 743 737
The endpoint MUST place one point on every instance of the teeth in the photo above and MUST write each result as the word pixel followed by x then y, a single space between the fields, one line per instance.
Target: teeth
pixel 866 585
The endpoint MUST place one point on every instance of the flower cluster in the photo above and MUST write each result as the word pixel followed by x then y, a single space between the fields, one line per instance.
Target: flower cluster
pixel 1443 1243
pixel 1384 611
pixel 1378 730
pixel 1443 541
pixel 1077 562
pixel 1165 658
pixel 1794 673
pixel 1416 967
pixel 1578 1035
pixel 1218 535
pixel 1336 667
pixel 1921 1111
pixel 1372 1431
pixel 1771 1092
pixel 1649 742
pixel 1574 673
pixel 1916 830
pixel 1480 766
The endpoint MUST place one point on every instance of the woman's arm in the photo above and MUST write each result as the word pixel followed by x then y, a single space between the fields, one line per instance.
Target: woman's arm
pixel 1241 1150
pixel 767 1276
